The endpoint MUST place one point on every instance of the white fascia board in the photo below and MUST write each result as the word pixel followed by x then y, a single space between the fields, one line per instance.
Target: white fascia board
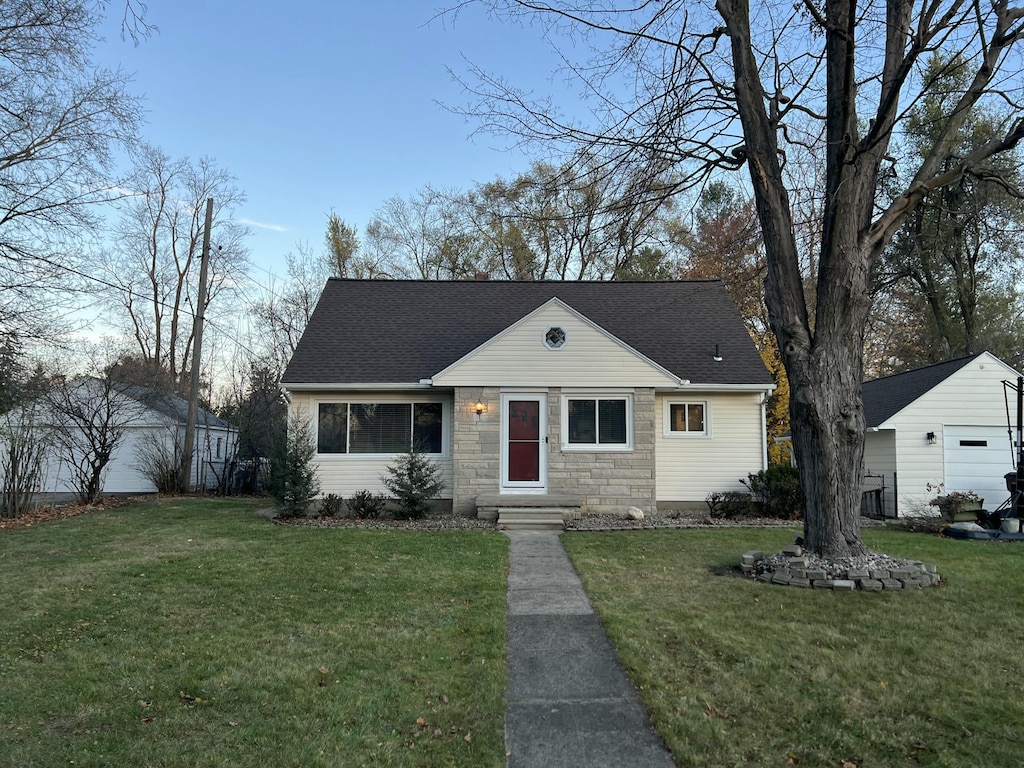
pixel 698 387
pixel 327 387
pixel 555 301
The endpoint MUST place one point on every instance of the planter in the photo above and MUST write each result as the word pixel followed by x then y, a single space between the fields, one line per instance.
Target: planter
pixel 964 512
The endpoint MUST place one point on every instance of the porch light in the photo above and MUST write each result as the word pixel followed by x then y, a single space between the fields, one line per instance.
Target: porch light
pixel 479 408
pixel 930 437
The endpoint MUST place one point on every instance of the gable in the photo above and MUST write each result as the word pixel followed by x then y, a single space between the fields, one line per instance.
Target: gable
pixel 589 356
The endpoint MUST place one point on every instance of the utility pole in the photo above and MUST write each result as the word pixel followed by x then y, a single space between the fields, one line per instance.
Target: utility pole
pixel 185 471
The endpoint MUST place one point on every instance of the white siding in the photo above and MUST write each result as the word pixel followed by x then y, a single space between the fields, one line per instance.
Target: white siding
pixel 518 357
pixel 344 474
pixel 971 397
pixel 689 468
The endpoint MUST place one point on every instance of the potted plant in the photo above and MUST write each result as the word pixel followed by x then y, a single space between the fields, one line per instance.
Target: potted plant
pixel 958 506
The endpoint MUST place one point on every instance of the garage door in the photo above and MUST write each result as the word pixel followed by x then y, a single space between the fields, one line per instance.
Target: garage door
pixel 976 459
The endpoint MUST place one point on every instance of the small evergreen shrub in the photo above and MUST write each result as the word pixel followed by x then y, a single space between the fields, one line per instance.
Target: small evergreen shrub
pixel 331 505
pixel 730 504
pixel 777 491
pixel 294 483
pixel 365 505
pixel 413 481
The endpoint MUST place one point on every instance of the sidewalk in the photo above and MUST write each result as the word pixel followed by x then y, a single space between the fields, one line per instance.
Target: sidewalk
pixel 569 703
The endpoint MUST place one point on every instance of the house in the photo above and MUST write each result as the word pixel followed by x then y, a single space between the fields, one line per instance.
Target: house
pixel 149 424
pixel 593 395
pixel 939 429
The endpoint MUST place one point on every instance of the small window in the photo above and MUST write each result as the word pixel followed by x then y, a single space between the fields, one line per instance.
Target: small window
pixel 555 338
pixel 687 419
pixel 600 422
pixel 332 428
pixel 218 446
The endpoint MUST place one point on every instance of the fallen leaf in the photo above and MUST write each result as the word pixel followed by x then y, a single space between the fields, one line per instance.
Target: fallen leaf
pixel 469 737
pixel 324 671
pixel 144 704
pixel 420 722
pixel 444 699
pixel 848 764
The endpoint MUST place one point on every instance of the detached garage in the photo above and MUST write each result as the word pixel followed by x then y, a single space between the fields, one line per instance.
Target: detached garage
pixel 936 430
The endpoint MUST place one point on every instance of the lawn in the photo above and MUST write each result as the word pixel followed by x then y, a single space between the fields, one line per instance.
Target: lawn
pixel 739 673
pixel 186 633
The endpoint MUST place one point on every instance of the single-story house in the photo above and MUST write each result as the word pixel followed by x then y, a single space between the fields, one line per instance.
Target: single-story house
pixel 152 422
pixel 940 429
pixel 616 394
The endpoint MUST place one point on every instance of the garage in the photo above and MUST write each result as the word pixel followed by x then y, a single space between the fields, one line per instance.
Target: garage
pixel 976 459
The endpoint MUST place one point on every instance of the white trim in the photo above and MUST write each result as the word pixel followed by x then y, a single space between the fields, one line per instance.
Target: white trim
pixel 695 387
pixel 567 395
pixel 541 485
pixel 666 419
pixel 328 387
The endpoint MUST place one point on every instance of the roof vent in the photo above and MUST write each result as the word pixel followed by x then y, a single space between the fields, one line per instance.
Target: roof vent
pixel 717 358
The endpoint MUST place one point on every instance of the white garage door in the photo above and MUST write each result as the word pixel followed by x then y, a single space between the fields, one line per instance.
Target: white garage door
pixel 976 459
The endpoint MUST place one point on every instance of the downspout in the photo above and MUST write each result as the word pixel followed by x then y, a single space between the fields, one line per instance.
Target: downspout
pixel 764 429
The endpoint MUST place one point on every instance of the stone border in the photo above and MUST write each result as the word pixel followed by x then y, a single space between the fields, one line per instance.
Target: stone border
pixel 792 568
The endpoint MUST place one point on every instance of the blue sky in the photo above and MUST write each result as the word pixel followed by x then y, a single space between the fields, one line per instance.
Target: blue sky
pixel 320 106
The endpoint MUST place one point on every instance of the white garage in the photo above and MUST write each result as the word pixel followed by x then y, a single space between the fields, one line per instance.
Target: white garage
pixel 939 429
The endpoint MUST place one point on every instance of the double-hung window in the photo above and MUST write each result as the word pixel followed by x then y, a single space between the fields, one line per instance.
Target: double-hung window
pixel 379 428
pixel 598 423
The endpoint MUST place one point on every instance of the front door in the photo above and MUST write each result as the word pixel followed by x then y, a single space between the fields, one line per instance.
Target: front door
pixel 524 450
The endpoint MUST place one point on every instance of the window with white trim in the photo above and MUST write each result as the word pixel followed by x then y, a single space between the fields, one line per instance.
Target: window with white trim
pixel 686 419
pixel 598 423
pixel 391 427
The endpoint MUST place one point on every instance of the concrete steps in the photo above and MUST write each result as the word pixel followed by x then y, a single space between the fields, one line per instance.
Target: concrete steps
pixel 533 518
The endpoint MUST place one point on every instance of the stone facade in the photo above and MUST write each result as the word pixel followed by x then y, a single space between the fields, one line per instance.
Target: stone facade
pixel 607 481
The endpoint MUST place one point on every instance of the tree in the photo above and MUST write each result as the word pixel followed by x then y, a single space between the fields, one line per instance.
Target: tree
pixel 689 92
pixel 89 419
pixel 60 120
pixel 156 266
pixel 259 409
pixel 293 480
pixel 24 446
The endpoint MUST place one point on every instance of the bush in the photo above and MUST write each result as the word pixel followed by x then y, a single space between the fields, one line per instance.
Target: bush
pixel 777 491
pixel 158 459
pixel 365 505
pixel 331 505
pixel 293 481
pixel 730 504
pixel 413 480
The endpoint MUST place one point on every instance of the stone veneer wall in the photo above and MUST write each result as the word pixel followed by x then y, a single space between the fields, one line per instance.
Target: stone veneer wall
pixel 476 443
pixel 608 481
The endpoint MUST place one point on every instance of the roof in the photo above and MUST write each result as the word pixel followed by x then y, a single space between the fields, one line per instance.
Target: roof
pixel 171 406
pixel 404 331
pixel 885 397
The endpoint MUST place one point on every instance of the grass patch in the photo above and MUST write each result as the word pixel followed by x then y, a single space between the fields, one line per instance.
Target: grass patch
pixel 192 632
pixel 738 673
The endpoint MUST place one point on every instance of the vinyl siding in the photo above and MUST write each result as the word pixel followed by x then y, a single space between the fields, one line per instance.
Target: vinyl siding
pixel 689 468
pixel 344 474
pixel 589 358
pixel 973 396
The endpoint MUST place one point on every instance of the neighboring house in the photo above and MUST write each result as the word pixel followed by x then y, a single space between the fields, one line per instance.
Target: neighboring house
pixel 151 421
pixel 616 393
pixel 940 429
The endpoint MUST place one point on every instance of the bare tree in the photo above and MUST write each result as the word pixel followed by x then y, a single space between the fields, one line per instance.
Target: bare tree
pixel 688 90
pixel 89 419
pixel 60 119
pixel 24 446
pixel 156 267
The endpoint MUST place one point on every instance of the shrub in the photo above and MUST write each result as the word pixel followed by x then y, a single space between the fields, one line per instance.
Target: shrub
pixel 293 481
pixel 730 504
pixel 331 505
pixel 777 490
pixel 158 459
pixel 365 504
pixel 413 480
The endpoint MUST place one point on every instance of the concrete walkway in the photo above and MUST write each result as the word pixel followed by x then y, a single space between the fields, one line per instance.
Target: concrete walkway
pixel 569 703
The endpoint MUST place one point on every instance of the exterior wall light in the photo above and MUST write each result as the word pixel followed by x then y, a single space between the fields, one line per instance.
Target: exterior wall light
pixel 479 408
pixel 930 437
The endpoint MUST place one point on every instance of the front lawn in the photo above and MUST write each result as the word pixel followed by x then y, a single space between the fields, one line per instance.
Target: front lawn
pixel 192 632
pixel 739 673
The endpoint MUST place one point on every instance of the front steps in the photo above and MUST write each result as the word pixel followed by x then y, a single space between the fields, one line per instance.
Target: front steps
pixel 529 512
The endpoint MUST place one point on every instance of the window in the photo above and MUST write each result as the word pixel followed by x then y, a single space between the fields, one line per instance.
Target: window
pixel 687 419
pixel 378 427
pixel 597 422
pixel 218 446
pixel 555 338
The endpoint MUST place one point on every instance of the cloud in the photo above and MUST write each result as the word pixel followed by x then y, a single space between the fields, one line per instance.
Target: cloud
pixel 261 225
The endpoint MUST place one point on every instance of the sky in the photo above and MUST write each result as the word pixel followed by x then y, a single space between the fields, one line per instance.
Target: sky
pixel 322 106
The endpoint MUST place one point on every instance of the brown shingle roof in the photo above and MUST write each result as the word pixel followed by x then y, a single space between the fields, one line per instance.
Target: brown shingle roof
pixel 403 331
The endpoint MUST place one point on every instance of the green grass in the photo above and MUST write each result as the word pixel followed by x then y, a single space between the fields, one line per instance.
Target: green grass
pixel 739 673
pixel 186 633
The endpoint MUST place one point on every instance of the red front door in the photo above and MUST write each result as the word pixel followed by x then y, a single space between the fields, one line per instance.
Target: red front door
pixel 525 436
